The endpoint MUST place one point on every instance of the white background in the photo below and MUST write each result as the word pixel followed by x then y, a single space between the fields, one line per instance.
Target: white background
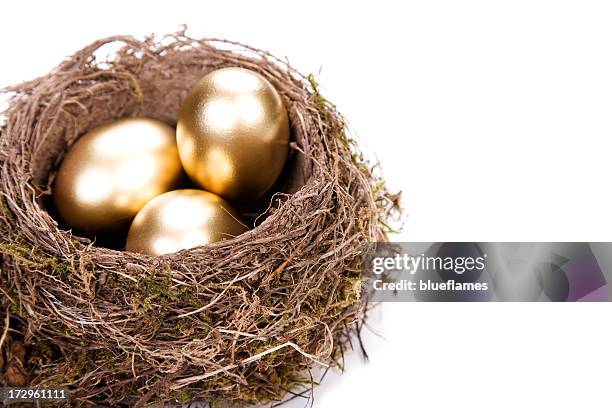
pixel 493 117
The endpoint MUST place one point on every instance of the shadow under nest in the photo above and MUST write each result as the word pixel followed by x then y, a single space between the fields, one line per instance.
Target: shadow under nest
pixel 242 321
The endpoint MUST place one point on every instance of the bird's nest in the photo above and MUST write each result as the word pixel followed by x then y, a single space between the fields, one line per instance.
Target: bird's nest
pixel 240 321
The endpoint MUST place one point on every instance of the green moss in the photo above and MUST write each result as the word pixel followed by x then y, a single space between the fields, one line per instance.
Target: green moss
pixel 15 308
pixel 6 213
pixel 181 395
pixel 156 291
pixel 160 288
pixel 28 256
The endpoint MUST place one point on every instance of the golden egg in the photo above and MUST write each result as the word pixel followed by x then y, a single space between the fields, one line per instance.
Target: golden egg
pixel 182 219
pixel 111 172
pixel 233 134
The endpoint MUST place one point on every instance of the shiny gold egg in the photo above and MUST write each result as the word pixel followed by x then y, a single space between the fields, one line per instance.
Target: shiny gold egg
pixel 111 172
pixel 233 134
pixel 182 219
